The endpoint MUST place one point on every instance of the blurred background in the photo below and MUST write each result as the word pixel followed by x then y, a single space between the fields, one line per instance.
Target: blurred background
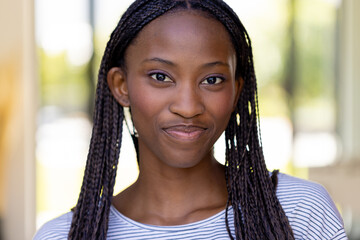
pixel 307 60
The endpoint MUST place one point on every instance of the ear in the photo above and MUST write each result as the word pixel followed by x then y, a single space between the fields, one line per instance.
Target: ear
pixel 239 85
pixel 116 79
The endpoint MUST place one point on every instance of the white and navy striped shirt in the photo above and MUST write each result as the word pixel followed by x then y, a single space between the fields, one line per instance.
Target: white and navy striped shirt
pixel 309 208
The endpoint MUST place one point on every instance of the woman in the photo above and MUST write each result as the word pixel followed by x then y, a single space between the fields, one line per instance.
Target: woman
pixel 185 70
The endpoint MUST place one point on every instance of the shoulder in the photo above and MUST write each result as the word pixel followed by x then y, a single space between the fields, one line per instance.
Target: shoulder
pixel 309 208
pixel 291 190
pixel 56 229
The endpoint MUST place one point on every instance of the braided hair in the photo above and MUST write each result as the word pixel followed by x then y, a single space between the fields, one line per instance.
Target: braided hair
pixel 251 189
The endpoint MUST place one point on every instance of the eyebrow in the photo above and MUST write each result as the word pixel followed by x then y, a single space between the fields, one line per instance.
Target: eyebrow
pixel 156 59
pixel 211 64
pixel 206 65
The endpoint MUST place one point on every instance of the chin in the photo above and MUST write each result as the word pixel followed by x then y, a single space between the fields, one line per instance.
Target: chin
pixel 186 161
pixel 183 165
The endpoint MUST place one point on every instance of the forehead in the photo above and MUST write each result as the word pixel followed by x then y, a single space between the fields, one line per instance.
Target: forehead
pixel 179 21
pixel 187 30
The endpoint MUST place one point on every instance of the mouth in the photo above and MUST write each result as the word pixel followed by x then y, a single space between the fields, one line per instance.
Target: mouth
pixel 185 132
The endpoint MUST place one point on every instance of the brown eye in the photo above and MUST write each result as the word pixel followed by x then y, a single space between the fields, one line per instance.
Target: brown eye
pixel 212 80
pixel 160 77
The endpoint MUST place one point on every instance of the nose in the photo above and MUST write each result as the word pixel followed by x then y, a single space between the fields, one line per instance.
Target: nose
pixel 187 101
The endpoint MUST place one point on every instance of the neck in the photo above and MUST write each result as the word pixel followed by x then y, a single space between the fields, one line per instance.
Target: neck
pixel 172 196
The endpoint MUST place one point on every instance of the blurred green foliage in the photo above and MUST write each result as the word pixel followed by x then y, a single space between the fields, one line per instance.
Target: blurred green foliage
pixel 315 48
pixel 62 84
pixel 306 29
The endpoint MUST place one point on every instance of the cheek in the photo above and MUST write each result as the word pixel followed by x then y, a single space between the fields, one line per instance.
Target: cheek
pixel 221 107
pixel 145 103
pixel 140 103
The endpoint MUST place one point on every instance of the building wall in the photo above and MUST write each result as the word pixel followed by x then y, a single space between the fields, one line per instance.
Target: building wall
pixel 17 119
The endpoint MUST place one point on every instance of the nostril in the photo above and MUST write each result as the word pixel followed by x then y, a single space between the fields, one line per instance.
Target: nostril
pixel 187 105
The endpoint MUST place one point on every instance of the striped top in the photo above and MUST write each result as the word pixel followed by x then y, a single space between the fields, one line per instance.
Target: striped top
pixel 309 208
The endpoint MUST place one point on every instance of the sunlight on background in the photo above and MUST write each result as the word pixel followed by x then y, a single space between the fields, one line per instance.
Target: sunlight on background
pixel 297 126
pixel 64 38
pixel 64 26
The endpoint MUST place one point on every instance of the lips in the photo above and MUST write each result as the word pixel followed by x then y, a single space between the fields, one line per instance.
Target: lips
pixel 185 132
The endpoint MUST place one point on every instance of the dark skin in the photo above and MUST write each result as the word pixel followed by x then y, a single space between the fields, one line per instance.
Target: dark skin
pixel 180 84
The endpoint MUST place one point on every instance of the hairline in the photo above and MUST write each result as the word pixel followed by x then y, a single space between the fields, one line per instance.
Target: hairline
pixel 177 10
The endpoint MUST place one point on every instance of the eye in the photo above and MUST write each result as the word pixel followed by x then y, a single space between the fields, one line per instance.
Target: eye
pixel 212 80
pixel 161 77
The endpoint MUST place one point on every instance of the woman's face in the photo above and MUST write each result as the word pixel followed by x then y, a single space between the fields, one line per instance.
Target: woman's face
pixel 181 88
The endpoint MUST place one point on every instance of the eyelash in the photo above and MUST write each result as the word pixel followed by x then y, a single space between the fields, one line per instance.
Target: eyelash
pixel 218 80
pixel 165 78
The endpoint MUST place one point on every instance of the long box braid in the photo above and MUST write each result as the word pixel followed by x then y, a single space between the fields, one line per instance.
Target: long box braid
pixel 252 191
